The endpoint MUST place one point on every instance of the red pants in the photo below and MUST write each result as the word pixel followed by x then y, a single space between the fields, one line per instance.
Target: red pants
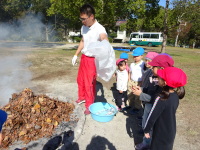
pixel 87 80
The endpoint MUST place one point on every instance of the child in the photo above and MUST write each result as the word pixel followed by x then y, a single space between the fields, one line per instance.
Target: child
pixel 122 80
pixel 3 118
pixel 135 78
pixel 125 57
pixel 150 88
pixel 162 117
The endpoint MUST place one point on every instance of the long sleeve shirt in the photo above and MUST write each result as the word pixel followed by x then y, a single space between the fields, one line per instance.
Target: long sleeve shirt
pixel 162 118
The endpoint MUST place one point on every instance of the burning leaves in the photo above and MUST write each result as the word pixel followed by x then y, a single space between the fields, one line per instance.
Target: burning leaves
pixel 32 117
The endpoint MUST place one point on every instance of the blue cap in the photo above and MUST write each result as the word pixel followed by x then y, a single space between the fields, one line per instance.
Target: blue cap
pixel 123 56
pixel 138 51
pixel 3 117
pixel 165 54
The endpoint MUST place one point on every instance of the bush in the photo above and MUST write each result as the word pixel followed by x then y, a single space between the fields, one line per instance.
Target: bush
pixel 75 38
pixel 110 39
pixel 113 34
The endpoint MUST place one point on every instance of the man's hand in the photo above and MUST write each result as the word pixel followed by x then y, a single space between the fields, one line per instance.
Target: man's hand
pixel 120 91
pixel 74 60
pixel 136 90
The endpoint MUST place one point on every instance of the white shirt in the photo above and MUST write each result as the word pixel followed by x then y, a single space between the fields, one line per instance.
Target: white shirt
pixel 122 80
pixel 137 71
pixel 91 35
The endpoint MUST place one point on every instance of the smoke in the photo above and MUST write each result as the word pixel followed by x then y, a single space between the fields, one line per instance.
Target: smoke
pixel 14 72
pixel 15 75
pixel 29 27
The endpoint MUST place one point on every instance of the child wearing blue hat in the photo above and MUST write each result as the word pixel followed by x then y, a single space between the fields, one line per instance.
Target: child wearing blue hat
pixel 125 57
pixel 3 118
pixel 135 79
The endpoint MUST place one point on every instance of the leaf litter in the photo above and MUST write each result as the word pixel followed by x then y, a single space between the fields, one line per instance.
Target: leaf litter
pixel 31 117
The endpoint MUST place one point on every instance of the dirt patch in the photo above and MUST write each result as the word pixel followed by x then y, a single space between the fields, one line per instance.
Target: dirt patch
pixel 52 75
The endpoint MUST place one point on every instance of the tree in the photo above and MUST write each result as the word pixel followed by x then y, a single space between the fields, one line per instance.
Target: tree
pixel 193 17
pixel 156 22
pixel 107 11
pixel 11 9
pixel 186 14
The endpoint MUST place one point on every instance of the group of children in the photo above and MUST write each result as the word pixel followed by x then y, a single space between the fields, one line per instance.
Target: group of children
pixel 155 86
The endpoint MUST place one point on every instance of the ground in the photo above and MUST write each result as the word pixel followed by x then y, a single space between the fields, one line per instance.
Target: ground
pixel 49 71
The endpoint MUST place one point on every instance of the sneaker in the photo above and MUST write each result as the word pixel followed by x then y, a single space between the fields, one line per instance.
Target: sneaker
pixel 87 112
pixel 80 101
pixel 141 146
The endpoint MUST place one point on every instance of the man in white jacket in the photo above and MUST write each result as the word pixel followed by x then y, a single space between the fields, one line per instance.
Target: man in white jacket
pixel 92 31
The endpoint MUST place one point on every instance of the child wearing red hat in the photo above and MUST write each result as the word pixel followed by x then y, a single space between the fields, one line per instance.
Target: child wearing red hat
pixel 150 88
pixel 147 92
pixel 162 117
pixel 125 57
pixel 122 81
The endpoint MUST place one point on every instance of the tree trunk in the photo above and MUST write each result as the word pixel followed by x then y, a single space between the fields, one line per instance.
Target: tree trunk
pixel 164 43
pixel 193 45
pixel 176 41
pixel 47 34
pixel 165 30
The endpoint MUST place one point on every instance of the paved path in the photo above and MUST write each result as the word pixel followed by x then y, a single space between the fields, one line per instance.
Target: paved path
pixel 114 135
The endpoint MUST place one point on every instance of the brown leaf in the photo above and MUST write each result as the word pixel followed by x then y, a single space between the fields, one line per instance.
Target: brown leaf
pixel 37 106
pixel 23 132
pixel 48 120
pixel 56 123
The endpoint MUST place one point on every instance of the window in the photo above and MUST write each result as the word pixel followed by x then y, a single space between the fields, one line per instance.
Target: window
pixel 155 36
pixel 134 35
pixel 146 35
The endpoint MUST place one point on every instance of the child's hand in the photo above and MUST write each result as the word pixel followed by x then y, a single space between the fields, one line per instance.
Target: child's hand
pixel 114 75
pixel 136 90
pixel 120 91
pixel 147 135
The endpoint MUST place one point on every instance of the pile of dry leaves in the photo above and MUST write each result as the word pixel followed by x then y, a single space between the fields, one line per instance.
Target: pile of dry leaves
pixel 31 117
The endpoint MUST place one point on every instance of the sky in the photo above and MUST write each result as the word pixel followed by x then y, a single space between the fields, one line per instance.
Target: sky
pixel 162 2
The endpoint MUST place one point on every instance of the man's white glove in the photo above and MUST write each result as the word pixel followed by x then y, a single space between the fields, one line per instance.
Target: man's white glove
pixel 74 60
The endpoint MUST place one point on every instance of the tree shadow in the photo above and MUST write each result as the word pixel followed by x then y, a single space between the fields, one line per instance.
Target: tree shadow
pixel 99 93
pixel 100 143
pixel 134 126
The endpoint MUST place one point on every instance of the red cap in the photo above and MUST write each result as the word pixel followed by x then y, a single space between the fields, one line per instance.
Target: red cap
pixel 151 55
pixel 117 62
pixel 162 61
pixel 174 77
